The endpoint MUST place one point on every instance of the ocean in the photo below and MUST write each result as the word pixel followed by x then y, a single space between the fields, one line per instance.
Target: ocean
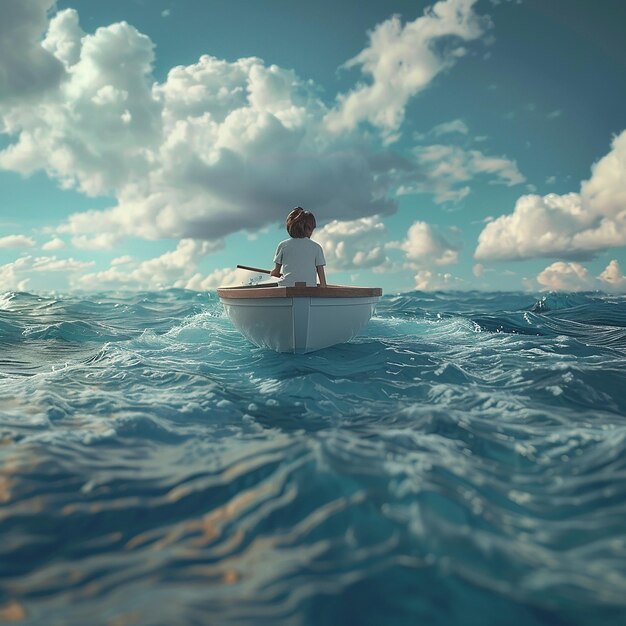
pixel 461 462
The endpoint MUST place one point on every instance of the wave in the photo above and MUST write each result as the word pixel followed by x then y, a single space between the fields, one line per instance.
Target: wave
pixel 462 461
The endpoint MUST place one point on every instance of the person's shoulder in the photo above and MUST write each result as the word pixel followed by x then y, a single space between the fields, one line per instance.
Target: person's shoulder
pixel 315 243
pixel 283 243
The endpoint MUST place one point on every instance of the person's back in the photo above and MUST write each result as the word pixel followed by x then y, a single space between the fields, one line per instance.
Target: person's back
pixel 299 259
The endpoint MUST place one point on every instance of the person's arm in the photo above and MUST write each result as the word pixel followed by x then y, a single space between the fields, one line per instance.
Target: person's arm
pixel 322 275
pixel 276 271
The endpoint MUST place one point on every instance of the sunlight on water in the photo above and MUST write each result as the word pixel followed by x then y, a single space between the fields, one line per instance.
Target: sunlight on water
pixel 462 461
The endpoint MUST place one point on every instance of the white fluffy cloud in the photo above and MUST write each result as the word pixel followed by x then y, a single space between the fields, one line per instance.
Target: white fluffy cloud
pixel 16 241
pixel 402 60
pixel 425 247
pixel 216 148
pixel 612 277
pixel 14 276
pixel 18 274
pixel 571 226
pixel 445 170
pixel 54 244
pixel 354 244
pixel 96 130
pixel 171 269
pixel 221 277
pixel 561 276
pixel 221 146
pixel 427 280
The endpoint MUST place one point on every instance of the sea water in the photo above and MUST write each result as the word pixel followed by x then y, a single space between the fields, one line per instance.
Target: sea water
pixel 461 462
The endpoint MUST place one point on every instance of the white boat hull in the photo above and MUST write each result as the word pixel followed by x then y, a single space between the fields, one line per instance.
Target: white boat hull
pixel 299 324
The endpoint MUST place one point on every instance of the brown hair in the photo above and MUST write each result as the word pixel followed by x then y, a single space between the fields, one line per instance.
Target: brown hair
pixel 300 223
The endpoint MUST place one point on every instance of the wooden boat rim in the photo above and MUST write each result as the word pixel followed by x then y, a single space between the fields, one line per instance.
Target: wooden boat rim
pixel 330 291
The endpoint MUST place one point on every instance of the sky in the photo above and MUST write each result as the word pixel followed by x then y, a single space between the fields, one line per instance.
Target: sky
pixel 455 145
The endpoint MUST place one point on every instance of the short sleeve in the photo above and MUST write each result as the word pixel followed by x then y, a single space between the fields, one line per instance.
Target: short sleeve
pixel 319 256
pixel 278 257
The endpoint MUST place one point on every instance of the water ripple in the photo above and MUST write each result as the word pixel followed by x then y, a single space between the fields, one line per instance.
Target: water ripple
pixel 461 462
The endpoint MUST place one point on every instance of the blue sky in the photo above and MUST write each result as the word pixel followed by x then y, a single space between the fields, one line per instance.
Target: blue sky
pixel 466 144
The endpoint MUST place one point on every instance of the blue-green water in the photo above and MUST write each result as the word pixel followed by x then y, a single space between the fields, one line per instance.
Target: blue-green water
pixel 461 462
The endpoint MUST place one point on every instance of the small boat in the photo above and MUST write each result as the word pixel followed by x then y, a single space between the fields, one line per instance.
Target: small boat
pixel 299 319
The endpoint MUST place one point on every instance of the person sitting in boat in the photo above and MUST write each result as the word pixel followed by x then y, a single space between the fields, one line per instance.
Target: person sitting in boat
pixel 299 259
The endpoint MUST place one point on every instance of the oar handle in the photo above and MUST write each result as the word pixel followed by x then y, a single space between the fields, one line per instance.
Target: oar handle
pixel 253 269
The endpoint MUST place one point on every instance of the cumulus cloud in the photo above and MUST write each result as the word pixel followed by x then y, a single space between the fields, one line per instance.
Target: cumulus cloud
pixel 16 241
pixel 27 69
pixel 222 146
pixel 427 280
pixel 13 276
pixel 572 276
pixel 103 241
pixel 18 274
pixel 122 260
pixel 216 148
pixel 78 134
pixel 225 276
pixel 54 244
pixel 572 226
pixel 171 269
pixel 445 170
pixel 354 244
pixel 613 277
pixel 402 60
pixel 425 246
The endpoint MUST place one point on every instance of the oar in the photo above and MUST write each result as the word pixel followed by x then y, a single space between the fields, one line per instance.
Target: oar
pixel 253 269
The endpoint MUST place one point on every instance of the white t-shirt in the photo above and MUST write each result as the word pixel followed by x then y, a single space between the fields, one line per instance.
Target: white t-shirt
pixel 299 259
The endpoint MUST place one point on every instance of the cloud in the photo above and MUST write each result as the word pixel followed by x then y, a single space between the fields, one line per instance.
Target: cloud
pixel 354 244
pixel 54 244
pixel 402 60
pixel 122 260
pixel 444 171
pixel 425 246
pixel 561 276
pixel 216 148
pixel 18 274
pixel 13 275
pixel 427 280
pixel 81 134
pixel 455 126
pixel 104 241
pixel 52 264
pixel 226 276
pixel 171 269
pixel 220 146
pixel 613 278
pixel 16 241
pixel 26 68
pixel 572 226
